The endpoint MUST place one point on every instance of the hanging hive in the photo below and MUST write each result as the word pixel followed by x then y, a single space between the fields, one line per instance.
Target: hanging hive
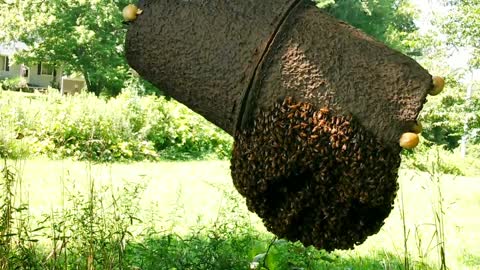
pixel 316 106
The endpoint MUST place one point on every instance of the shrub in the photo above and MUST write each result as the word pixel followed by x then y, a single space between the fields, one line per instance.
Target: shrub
pixel 444 116
pixel 15 84
pixel 427 155
pixel 128 127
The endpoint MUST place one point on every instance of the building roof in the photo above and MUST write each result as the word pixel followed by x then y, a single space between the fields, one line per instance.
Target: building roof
pixel 11 48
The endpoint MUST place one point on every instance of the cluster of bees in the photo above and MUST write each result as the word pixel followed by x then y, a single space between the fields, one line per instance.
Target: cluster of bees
pixel 314 176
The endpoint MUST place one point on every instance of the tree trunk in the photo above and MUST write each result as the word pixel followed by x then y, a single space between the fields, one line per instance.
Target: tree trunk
pixel 91 85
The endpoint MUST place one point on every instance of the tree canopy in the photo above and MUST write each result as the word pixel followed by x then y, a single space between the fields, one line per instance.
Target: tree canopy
pixel 85 36
pixel 462 26
pixel 389 21
pixel 453 34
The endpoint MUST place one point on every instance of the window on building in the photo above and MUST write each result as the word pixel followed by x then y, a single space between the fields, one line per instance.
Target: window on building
pixel 4 63
pixel 46 69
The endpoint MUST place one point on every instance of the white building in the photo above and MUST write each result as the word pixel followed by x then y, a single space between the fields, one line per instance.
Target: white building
pixel 39 75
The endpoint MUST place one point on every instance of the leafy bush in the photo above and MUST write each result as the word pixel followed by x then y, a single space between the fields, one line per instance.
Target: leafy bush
pixel 85 127
pixel 427 156
pixel 14 84
pixel 444 116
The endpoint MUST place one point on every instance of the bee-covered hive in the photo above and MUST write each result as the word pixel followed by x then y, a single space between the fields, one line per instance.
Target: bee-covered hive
pixel 314 176
pixel 316 106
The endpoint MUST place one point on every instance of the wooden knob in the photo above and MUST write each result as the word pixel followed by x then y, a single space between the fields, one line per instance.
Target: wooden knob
pixel 438 85
pixel 130 12
pixel 409 140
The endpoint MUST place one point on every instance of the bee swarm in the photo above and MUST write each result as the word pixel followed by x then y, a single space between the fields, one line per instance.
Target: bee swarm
pixel 314 176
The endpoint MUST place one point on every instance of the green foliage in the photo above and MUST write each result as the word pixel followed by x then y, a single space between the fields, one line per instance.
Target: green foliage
pixel 444 116
pixel 84 36
pixel 17 250
pixel 129 127
pixel 93 232
pixel 389 21
pixel 424 156
pixel 462 26
pixel 473 117
pixel 454 114
pixel 14 84
pixel 225 245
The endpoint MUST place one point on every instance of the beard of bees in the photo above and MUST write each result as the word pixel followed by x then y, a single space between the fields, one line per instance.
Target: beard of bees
pixel 314 176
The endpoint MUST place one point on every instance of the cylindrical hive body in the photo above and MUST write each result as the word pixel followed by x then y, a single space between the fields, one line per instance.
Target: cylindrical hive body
pixel 225 59
pixel 315 105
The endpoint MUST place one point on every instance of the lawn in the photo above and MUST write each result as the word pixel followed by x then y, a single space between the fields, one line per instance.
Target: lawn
pixel 182 198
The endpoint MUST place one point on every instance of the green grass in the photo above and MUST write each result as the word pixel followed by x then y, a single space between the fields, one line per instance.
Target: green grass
pixel 188 210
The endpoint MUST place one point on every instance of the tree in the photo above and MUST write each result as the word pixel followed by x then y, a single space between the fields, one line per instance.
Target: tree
pixel 462 26
pixel 442 116
pixel 389 21
pixel 455 113
pixel 84 36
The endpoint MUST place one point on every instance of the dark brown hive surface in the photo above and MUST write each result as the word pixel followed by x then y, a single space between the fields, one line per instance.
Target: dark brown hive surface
pixel 313 176
pixel 316 106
